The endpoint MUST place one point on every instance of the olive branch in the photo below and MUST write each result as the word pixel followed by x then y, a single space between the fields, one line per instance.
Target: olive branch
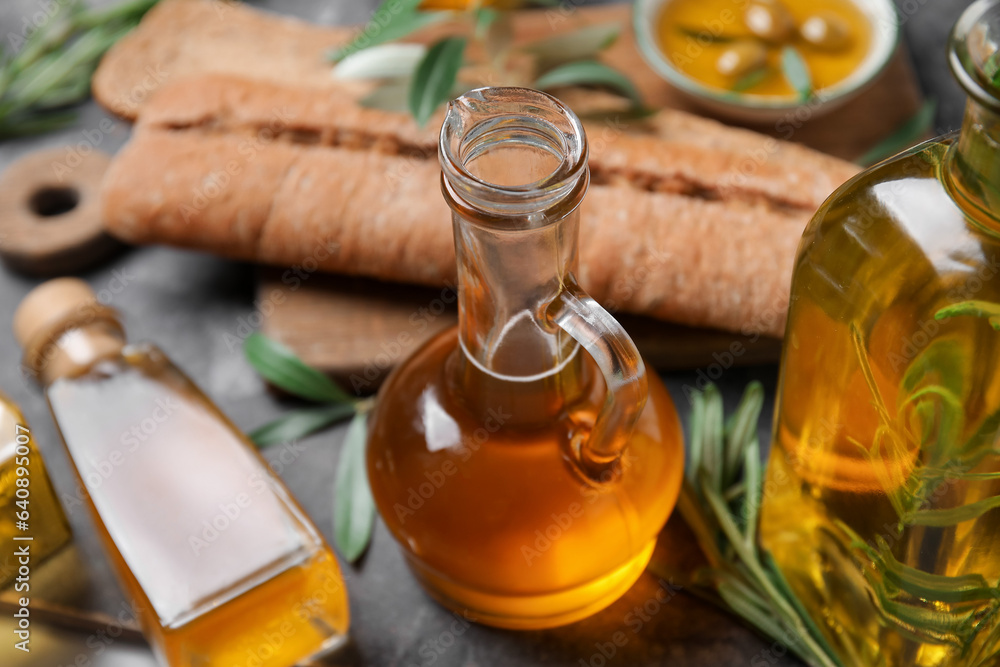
pixel 419 79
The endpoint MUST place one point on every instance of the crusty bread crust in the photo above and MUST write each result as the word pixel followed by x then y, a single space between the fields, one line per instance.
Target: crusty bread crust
pixel 220 36
pixel 687 220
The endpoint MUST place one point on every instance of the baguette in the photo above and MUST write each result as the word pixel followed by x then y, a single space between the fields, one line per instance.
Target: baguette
pixel 687 220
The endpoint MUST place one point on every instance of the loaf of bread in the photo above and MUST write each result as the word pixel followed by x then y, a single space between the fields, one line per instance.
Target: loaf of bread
pixel 687 220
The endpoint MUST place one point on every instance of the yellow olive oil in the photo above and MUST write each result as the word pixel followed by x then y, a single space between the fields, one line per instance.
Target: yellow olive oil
pixel 503 525
pixel 881 492
pixel 31 518
pixel 711 42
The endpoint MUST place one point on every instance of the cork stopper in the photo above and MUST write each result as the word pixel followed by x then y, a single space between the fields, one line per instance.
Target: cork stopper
pixel 52 308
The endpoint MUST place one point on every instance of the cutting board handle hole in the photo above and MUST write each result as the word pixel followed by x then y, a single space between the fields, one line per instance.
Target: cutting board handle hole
pixel 49 202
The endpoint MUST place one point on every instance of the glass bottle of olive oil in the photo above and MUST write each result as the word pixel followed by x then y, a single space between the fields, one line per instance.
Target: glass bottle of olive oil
pixel 32 523
pixel 882 504
pixel 525 461
pixel 221 563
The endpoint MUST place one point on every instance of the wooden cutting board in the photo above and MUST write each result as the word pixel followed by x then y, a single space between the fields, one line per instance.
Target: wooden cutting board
pixel 356 330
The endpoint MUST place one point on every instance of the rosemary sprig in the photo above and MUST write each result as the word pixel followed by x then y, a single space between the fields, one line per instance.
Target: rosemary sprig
pixel 354 508
pixel 987 309
pixel 916 450
pixel 719 500
pixel 53 65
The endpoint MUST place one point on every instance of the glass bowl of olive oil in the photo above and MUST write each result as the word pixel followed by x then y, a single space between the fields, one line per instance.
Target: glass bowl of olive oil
pixel 759 60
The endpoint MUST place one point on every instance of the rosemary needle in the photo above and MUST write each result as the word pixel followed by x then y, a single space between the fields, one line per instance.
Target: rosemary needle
pixel 53 67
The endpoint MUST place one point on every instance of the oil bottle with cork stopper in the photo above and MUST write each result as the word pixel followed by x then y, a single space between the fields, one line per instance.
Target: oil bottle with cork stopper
pixel 218 558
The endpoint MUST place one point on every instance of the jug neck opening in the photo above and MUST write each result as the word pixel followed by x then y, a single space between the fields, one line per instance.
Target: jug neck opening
pixel 512 158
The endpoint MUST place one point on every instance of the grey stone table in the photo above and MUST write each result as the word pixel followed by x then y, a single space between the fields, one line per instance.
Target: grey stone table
pixel 186 302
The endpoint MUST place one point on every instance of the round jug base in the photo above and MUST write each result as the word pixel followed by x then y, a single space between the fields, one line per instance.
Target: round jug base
pixel 531 612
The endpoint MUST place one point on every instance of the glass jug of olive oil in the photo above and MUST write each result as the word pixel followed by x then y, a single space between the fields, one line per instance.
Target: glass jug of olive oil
pixel 221 563
pixel 32 522
pixel 883 501
pixel 524 461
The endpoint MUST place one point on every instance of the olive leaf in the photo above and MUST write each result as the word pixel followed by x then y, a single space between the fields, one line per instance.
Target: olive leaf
pixel 386 61
pixel 496 39
pixel 435 77
pixel 751 79
pixel 484 18
pixel 589 72
pixel 300 423
pixel 354 507
pixel 706 36
pixel 580 44
pixel 796 72
pixel 911 132
pixel 282 368
pixel 392 20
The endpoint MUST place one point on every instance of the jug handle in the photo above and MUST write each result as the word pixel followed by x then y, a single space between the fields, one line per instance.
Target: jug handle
pixel 600 334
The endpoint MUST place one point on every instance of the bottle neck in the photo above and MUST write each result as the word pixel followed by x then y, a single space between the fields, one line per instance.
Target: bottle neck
pixel 512 356
pixel 974 163
pixel 514 171
pixel 74 351
pixel 507 279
